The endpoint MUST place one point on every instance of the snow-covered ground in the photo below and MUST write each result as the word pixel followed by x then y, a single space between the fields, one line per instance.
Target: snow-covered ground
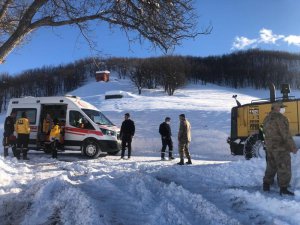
pixel 217 188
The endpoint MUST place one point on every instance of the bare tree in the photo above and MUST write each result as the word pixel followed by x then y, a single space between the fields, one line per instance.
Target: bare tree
pixel 137 76
pixel 172 73
pixel 163 22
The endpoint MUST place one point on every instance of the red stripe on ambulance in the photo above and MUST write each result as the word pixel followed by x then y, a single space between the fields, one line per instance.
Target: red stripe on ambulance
pixel 33 128
pixel 80 131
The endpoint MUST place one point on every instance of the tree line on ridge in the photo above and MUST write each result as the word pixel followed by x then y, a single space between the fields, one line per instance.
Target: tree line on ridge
pixel 253 68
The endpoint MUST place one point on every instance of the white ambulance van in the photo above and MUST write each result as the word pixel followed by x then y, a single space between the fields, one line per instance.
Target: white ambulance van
pixel 85 127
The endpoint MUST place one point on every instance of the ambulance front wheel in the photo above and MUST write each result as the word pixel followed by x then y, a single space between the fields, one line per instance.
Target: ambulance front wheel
pixel 91 149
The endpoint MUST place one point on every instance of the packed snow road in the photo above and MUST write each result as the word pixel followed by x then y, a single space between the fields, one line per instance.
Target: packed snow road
pixel 217 188
pixel 142 190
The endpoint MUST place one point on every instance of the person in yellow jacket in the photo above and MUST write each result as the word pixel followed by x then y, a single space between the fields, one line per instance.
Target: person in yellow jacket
pixel 22 129
pixel 54 137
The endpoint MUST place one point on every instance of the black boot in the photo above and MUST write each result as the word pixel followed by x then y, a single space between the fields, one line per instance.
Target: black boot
pixel 18 153
pixel 162 156
pixel 54 150
pixel 285 191
pixel 171 156
pixel 129 153
pixel 25 154
pixel 54 153
pixel 5 152
pixel 14 150
pixel 122 153
pixel 189 161
pixel 266 187
pixel 181 162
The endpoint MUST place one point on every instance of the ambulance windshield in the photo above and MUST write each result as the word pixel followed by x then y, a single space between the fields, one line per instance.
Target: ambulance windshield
pixel 97 117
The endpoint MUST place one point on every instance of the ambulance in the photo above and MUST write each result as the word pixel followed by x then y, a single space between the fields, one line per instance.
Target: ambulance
pixel 84 127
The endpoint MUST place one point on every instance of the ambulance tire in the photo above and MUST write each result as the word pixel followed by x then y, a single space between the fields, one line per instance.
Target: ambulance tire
pixel 91 149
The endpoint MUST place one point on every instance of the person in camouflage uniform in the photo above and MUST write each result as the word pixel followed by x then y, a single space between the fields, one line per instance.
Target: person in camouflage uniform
pixel 184 139
pixel 279 144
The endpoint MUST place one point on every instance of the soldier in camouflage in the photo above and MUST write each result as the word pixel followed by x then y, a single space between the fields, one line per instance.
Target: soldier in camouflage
pixel 184 139
pixel 279 144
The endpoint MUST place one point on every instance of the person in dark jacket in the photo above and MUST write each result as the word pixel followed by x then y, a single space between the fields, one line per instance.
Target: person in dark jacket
pixel 9 140
pixel 166 138
pixel 127 132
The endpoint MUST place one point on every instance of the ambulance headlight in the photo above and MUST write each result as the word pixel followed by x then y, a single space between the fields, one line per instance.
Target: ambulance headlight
pixel 108 132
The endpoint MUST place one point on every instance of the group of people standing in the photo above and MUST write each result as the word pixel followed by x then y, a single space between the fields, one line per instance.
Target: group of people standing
pixel 277 138
pixel 184 138
pixel 17 132
pixel 16 136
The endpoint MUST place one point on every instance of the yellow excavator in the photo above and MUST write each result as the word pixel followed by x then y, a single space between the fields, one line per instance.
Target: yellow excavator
pixel 246 136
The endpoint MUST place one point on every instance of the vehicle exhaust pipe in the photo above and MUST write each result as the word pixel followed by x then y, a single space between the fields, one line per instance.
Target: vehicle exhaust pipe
pixel 272 92
pixel 237 101
pixel 285 90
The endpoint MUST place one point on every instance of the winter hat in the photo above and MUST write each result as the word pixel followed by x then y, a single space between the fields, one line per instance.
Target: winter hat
pixel 167 119
pixel 127 114
pixel 182 115
pixel 278 104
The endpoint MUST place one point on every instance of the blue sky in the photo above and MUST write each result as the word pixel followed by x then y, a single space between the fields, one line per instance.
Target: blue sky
pixel 237 25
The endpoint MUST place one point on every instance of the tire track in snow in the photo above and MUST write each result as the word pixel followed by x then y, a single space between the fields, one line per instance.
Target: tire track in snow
pixel 133 197
pixel 45 196
pixel 58 201
pixel 239 196
pixel 259 203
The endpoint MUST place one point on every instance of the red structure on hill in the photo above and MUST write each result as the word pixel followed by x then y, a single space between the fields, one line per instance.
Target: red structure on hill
pixel 102 75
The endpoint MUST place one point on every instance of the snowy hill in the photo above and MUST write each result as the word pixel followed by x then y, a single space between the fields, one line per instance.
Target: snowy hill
pixel 217 188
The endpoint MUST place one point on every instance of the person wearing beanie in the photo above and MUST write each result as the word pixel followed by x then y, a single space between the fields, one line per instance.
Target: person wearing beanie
pixel 184 139
pixel 166 138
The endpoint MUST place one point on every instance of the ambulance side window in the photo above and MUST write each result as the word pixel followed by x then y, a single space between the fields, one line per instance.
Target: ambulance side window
pixel 76 119
pixel 31 114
